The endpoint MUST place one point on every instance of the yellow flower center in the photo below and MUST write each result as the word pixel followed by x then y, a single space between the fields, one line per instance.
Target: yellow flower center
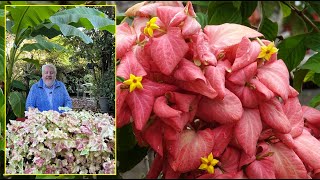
pixel 151 25
pixel 208 163
pixel 267 51
pixel 134 82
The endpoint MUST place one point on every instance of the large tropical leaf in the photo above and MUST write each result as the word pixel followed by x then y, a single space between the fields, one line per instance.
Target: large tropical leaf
pixel 30 16
pixel 2 17
pixel 88 18
pixel 42 44
pixel 1 54
pixel 2 120
pixel 17 102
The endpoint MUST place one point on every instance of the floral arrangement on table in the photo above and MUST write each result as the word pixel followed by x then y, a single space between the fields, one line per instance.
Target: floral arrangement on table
pixel 212 102
pixel 69 143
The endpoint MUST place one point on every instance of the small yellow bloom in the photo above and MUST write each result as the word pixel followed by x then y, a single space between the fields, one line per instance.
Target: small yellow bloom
pixel 267 51
pixel 134 82
pixel 208 163
pixel 151 25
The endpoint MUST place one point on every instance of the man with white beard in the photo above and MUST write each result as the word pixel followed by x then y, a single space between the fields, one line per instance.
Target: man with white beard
pixel 48 93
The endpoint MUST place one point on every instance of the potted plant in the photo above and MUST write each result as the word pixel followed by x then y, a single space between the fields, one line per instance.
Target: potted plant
pixel 105 91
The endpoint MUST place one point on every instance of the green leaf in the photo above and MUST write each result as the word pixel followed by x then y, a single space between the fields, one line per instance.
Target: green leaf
pixel 18 85
pixel 2 54
pixel 45 30
pixel 269 7
pixel 312 41
pixel 313 63
pixel 120 79
pixel 247 8
pixel 316 79
pixel 298 79
pixel 2 17
pixel 2 120
pixel 30 16
pixel 120 17
pixel 309 76
pixel 315 101
pixel 68 30
pixel 32 61
pixel 286 11
pixel 223 12
pixel 55 177
pixel 292 51
pixel 315 5
pixel 130 158
pixel 236 4
pixel 126 139
pixel 84 152
pixel 202 19
pixel 88 18
pixel 17 102
pixel 269 29
pixel 42 44
pixel 200 3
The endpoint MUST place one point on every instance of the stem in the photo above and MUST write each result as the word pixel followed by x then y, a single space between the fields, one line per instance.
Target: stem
pixel 260 42
pixel 301 14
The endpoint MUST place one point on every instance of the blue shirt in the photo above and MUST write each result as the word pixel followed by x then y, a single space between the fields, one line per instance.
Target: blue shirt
pixel 39 97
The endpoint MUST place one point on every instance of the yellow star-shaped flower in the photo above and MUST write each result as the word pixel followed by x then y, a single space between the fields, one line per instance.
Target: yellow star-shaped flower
pixel 134 82
pixel 267 51
pixel 208 163
pixel 151 25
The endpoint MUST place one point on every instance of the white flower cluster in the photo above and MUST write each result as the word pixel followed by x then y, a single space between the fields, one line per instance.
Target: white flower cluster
pixel 70 143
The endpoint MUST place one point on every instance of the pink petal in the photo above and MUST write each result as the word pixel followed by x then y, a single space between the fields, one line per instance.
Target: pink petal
pixel 275 76
pixel 191 26
pixel 158 89
pixel 182 101
pixel 129 65
pixel 198 86
pixel 163 110
pixel 230 160
pixel 226 35
pixel 141 104
pixel 202 48
pixel 155 168
pixel 287 164
pixel 168 50
pixel 138 24
pixel 307 148
pixel 167 13
pixel 263 92
pixel 188 149
pixel 153 136
pixel 293 111
pixel 188 71
pixel 273 115
pixel 243 75
pixel 228 110
pixel 216 77
pixel 247 53
pixel 248 97
pixel 221 138
pixel 248 129
pixel 311 115
pixel 262 169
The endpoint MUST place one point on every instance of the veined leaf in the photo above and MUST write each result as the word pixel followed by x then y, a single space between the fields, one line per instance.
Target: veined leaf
pixel 30 16
pixel 18 84
pixel 32 61
pixel 223 12
pixel 42 44
pixel 17 102
pixel 312 41
pixel 298 79
pixel 88 18
pixel 269 29
pixel 68 30
pixel 315 101
pixel 247 8
pixel 292 51
pixel 2 120
pixel 202 19
pixel 236 4
pixel 2 17
pixel 313 63
pixel 286 11
pixel 1 54
pixel 46 30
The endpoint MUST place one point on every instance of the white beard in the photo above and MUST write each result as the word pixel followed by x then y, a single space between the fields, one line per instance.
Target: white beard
pixel 49 83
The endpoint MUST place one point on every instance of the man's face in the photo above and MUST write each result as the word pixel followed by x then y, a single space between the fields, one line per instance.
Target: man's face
pixel 48 76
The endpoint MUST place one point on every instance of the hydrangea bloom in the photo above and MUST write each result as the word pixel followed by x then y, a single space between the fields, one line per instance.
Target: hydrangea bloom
pixel 48 143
